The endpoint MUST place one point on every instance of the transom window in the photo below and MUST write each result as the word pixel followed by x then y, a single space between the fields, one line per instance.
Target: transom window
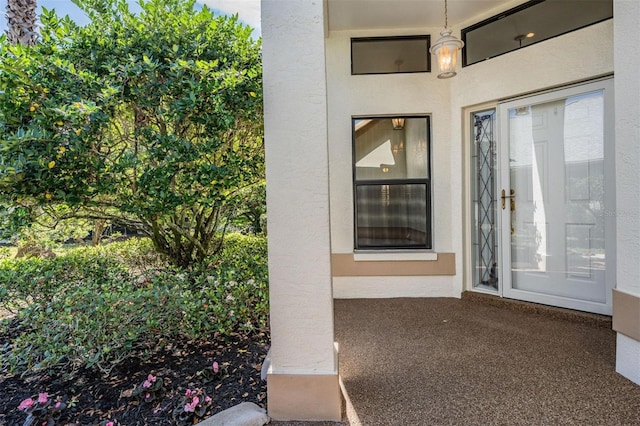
pixel 530 23
pixel 392 185
pixel 390 55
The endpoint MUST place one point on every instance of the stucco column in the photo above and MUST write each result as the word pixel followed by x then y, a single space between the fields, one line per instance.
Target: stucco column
pixel 626 300
pixel 302 382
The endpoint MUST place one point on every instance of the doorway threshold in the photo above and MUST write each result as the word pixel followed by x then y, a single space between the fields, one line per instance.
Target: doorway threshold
pixel 586 318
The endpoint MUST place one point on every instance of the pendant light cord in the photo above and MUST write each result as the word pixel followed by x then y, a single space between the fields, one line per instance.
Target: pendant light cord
pixel 446 15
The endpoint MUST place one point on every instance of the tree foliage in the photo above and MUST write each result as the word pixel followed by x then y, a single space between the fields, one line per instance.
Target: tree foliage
pixel 151 121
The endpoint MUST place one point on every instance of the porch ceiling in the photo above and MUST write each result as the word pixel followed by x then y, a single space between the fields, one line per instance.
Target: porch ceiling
pixel 381 14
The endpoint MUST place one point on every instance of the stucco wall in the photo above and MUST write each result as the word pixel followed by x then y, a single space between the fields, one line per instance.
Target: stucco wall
pixel 576 56
pixel 627 84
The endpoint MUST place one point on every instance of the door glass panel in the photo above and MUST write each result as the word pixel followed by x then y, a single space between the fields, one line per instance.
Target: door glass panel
pixel 556 167
pixel 483 162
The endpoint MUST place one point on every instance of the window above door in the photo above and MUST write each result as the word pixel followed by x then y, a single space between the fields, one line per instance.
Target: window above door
pixel 528 24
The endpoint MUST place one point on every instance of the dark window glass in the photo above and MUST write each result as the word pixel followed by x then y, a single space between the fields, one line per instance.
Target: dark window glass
pixel 530 23
pixel 386 55
pixel 392 186
pixel 392 215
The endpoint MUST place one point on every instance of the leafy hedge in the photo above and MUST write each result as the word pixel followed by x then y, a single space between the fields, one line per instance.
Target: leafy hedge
pixel 95 307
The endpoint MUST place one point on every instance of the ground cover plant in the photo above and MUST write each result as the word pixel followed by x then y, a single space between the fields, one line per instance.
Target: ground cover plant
pixel 115 333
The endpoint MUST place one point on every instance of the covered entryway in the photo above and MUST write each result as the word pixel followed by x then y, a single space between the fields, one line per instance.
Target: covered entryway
pixel 312 96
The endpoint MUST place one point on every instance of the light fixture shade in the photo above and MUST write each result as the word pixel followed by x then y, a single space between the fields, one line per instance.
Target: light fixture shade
pixel 446 53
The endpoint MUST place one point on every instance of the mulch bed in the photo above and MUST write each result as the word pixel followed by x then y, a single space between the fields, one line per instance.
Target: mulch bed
pixel 92 397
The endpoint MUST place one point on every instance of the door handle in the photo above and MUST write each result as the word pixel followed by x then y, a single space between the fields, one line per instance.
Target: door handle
pixel 511 197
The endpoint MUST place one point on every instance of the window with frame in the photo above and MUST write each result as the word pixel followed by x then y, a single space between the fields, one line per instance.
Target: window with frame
pixel 390 55
pixel 392 182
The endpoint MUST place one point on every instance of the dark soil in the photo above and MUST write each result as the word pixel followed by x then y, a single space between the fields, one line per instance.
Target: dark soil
pixel 93 397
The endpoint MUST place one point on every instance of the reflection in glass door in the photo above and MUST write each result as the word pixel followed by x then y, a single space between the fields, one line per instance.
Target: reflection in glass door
pixel 556 157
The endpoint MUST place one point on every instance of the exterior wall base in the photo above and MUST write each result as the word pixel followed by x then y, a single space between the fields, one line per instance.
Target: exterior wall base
pixel 389 287
pixel 306 397
pixel 626 321
pixel 628 358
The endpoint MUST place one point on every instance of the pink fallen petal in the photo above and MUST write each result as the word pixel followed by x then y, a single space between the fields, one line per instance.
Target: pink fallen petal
pixel 27 403
pixel 215 367
pixel 109 424
pixel 147 396
pixel 152 378
pixel 207 399
pixel 146 384
pixel 188 408
pixel 42 398
pixel 58 404
pixel 188 392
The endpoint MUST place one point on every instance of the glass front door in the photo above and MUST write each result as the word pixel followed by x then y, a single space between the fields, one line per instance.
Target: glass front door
pixel 556 198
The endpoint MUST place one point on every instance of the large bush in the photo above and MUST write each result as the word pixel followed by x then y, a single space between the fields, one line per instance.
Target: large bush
pixel 96 306
pixel 150 121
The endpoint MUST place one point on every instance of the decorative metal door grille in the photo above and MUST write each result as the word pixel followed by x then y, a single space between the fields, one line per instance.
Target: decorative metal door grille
pixel 484 194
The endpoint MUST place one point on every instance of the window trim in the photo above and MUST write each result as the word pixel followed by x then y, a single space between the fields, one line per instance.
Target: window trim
pixel 426 37
pixel 428 182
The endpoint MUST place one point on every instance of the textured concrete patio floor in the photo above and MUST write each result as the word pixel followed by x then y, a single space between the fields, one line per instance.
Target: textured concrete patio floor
pixel 460 362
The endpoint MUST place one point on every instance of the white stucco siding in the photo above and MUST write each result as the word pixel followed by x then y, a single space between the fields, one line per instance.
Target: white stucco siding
pixel 627 102
pixel 297 188
pixel 391 287
pixel 628 357
pixel 627 84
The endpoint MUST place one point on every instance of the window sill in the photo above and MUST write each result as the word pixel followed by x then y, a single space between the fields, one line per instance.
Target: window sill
pixel 391 255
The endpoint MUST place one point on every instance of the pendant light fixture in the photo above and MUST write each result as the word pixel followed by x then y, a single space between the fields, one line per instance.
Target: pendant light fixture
pixel 446 49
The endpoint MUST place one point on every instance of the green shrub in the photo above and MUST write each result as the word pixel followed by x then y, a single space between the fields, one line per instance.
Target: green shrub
pixel 36 280
pixel 96 325
pixel 97 306
pixel 237 280
pixel 243 257
pixel 7 252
